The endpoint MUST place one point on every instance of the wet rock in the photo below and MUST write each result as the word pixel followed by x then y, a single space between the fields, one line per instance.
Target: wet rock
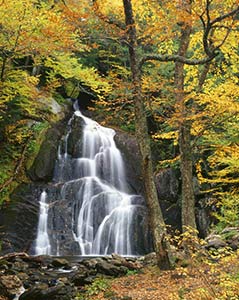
pixel 10 285
pixel 80 278
pixel 59 292
pixel 110 269
pixel 129 263
pixel 128 145
pixel 74 142
pixel 60 262
pixel 48 278
pixel 23 276
pixel 90 263
pixel 17 231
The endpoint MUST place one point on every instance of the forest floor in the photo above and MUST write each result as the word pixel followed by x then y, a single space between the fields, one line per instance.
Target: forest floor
pixel 215 280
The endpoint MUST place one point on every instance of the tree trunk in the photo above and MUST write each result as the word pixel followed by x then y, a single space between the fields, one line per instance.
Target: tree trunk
pixel 188 199
pixel 158 227
pixel 4 63
pixel 186 163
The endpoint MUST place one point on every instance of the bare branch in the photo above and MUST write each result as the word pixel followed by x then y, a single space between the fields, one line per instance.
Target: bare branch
pixel 227 15
pixel 207 28
pixel 202 20
pixel 177 58
pixel 224 39
pixel 208 25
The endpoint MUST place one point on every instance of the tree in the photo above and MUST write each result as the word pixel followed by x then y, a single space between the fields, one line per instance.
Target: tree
pixel 211 43
pixel 186 163
pixel 185 127
pixel 40 50
pixel 158 227
pixel 153 45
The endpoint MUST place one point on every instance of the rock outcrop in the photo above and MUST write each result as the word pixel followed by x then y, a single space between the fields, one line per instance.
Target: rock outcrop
pixel 19 218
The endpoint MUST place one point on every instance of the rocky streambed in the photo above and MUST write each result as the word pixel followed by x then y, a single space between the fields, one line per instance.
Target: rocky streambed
pixel 24 277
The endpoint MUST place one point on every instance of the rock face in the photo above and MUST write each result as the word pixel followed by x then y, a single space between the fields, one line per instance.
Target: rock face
pixel 168 184
pixel 74 143
pixel 128 146
pixel 19 218
pixel 168 188
pixel 43 166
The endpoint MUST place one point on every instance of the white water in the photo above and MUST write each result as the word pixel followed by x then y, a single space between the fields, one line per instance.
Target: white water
pixel 102 210
pixel 42 242
pixel 103 178
pixel 20 292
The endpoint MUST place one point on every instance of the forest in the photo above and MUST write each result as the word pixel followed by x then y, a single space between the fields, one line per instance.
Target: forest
pixel 165 72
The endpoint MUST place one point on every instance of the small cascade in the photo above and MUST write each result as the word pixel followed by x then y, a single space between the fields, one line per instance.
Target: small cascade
pixel 92 210
pixel 42 242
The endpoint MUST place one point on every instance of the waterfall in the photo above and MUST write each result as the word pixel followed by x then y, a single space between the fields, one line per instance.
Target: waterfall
pixel 93 211
pixel 42 242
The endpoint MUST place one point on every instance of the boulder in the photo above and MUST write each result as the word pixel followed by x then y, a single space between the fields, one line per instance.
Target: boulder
pixel 54 290
pixel 60 262
pixel 39 278
pixel 53 106
pixel 74 145
pixel 110 269
pixel 149 259
pixel 42 168
pixel 215 241
pixel 79 279
pixel 231 236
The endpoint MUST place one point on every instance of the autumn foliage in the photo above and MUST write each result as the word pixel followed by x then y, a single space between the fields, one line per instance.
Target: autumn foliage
pixel 47 47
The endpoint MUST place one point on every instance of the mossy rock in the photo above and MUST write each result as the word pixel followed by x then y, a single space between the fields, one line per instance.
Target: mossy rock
pixel 42 168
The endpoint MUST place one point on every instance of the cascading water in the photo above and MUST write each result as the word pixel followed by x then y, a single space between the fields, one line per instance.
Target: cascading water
pixel 92 211
pixel 42 242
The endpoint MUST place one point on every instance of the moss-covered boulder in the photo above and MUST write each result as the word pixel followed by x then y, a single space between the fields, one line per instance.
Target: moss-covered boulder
pixel 42 168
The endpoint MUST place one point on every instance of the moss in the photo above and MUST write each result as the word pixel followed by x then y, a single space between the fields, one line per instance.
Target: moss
pixel 33 149
pixel 11 155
